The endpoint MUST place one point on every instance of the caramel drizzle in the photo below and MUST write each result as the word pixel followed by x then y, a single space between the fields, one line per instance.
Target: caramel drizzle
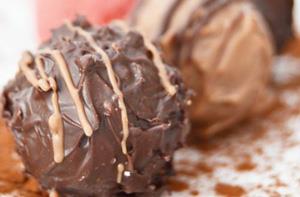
pixel 45 84
pixel 120 169
pixel 53 193
pixel 56 125
pixel 29 73
pixel 74 92
pixel 112 79
pixel 162 72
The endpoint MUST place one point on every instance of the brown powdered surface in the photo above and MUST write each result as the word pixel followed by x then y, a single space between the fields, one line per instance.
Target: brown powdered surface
pixel 194 193
pixel 292 48
pixel 229 190
pixel 177 185
pixel 246 166
pixel 203 168
pixel 258 157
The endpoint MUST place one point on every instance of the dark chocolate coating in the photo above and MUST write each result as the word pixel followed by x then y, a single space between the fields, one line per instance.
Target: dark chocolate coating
pixel 278 14
pixel 157 121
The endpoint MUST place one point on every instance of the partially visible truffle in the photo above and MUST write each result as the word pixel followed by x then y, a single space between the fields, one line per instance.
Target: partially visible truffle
pixel 224 50
pixel 279 15
pixel 95 112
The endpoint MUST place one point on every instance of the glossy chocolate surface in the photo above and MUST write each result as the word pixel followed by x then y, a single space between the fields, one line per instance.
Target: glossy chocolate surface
pixel 157 120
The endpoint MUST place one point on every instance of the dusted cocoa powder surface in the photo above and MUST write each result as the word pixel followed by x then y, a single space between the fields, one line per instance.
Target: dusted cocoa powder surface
pixel 229 190
pixel 246 165
pixel 194 193
pixel 258 157
pixel 177 185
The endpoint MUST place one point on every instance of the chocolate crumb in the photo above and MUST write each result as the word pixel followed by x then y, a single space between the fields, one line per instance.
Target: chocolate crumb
pixel 246 166
pixel 177 185
pixel 204 168
pixel 229 190
pixel 194 193
pixel 187 173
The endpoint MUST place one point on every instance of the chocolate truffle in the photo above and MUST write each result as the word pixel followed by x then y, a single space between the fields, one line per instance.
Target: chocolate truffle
pixel 224 50
pixel 278 14
pixel 95 112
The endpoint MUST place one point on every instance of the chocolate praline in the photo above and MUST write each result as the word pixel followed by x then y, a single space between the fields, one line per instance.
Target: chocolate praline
pixel 224 50
pixel 73 103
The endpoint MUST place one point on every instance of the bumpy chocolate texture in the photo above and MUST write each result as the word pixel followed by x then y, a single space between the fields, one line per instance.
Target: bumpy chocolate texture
pixel 278 14
pixel 95 112
pixel 224 51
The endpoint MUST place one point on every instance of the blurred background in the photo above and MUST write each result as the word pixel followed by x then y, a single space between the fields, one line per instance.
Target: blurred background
pixel 17 33
pixel 26 23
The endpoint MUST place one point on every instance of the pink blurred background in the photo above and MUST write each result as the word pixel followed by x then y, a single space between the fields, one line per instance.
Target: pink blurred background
pixel 97 11
pixel 25 23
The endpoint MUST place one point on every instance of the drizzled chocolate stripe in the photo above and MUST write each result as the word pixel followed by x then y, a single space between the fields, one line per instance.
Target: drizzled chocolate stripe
pixel 120 169
pixel 74 92
pixel 45 84
pixel 180 18
pixel 162 72
pixel 168 18
pixel 145 20
pixel 29 73
pixel 171 89
pixel 56 125
pixel 112 79
pixel 53 193
pixel 199 21
pixel 116 89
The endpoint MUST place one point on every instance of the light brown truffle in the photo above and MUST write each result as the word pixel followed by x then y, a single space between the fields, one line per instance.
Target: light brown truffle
pixel 224 51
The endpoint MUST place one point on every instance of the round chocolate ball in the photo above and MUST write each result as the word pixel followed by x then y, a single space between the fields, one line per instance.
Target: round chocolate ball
pixel 95 112
pixel 224 50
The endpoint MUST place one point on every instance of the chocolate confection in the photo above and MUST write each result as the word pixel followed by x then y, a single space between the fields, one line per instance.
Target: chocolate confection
pixel 224 50
pixel 278 14
pixel 13 181
pixel 95 112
